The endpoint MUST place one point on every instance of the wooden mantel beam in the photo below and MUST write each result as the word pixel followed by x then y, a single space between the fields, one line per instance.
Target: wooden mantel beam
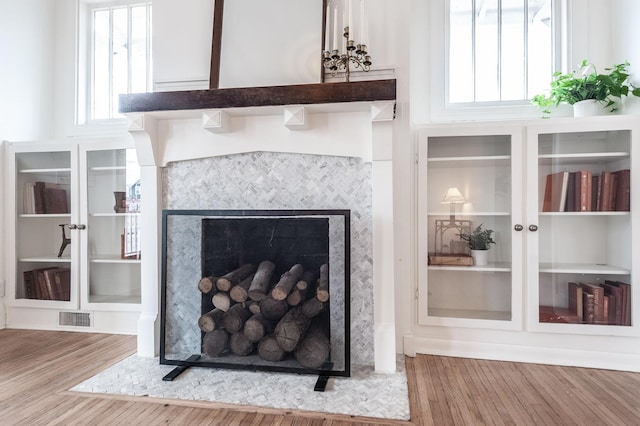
pixel 302 94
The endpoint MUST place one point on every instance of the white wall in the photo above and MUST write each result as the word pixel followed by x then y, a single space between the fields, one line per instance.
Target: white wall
pixel 626 35
pixel 26 84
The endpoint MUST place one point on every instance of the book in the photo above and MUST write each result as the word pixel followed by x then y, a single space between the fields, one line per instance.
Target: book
pixel 62 279
pixel 595 193
pixel 55 201
pixel 29 279
pixel 615 305
pixel 38 197
pixel 623 190
pixel 50 285
pixel 582 182
pixel 555 193
pixel 598 301
pixel 606 189
pixel 626 300
pixel 587 308
pixel 570 205
pixel 575 300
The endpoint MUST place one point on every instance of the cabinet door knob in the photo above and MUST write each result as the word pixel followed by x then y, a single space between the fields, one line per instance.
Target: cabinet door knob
pixel 72 226
pixel 518 227
pixel 533 228
pixel 82 226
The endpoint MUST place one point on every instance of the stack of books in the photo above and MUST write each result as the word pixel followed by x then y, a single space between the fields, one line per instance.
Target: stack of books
pixel 51 283
pixel 582 191
pixel 607 303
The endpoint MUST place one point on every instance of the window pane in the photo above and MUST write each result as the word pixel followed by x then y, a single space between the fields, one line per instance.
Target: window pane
pixel 486 55
pixel 513 54
pixel 138 49
pixel 461 51
pixel 120 77
pixel 101 64
pixel 540 42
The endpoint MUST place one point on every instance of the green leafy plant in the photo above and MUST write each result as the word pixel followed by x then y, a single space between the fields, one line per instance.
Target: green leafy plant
pixel 478 239
pixel 586 83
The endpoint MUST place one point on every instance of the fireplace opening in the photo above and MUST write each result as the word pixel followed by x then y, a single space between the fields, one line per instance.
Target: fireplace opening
pixel 260 290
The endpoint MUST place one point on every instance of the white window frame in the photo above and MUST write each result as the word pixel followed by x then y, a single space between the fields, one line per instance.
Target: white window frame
pixel 440 108
pixel 84 64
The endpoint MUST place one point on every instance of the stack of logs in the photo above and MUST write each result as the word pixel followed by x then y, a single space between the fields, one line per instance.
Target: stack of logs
pixel 251 315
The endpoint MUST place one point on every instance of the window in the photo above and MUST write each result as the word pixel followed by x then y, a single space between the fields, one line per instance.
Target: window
pixel 499 50
pixel 119 55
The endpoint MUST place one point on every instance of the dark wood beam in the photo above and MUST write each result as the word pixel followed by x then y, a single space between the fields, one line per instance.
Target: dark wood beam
pixel 302 94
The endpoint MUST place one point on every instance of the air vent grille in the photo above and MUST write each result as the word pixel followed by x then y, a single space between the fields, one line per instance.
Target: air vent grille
pixel 76 319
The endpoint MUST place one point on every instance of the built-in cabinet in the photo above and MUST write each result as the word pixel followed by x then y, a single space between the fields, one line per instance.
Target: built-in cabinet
pixel 557 227
pixel 73 249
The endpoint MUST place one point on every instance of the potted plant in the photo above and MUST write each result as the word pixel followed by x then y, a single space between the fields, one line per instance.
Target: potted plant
pixel 479 241
pixel 587 85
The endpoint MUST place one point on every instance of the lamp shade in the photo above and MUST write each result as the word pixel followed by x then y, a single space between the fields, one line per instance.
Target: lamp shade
pixel 454 196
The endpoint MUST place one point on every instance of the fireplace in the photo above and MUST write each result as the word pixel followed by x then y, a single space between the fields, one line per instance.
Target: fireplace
pixel 257 289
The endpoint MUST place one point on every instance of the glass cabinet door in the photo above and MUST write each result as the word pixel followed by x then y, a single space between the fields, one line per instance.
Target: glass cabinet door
pixel 44 205
pixel 113 229
pixel 583 236
pixel 467 196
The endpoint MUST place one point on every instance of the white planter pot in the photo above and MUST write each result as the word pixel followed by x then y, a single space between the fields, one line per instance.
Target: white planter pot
pixel 587 108
pixel 479 257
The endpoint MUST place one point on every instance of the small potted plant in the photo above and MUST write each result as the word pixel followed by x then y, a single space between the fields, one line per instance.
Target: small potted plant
pixel 585 87
pixel 479 241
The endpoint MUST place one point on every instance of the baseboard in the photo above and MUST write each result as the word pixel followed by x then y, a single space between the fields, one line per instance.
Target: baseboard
pixel 529 354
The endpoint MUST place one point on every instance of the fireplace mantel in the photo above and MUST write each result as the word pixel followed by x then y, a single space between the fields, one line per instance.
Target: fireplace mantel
pixel 302 94
pixel 345 119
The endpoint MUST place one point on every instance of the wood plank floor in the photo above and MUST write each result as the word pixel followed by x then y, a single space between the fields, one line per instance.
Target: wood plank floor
pixel 38 367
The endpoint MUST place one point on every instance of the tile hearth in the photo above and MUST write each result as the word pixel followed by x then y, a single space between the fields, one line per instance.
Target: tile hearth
pixel 365 393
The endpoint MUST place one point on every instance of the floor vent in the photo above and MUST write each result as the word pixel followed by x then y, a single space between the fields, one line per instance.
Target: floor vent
pixel 76 319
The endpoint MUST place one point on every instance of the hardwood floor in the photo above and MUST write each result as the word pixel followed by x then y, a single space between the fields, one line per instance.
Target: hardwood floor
pixel 38 367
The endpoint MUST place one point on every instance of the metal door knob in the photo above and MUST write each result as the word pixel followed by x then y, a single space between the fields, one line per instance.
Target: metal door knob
pixel 518 227
pixel 533 228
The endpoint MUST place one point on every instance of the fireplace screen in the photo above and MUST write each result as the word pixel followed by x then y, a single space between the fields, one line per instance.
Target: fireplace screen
pixel 258 290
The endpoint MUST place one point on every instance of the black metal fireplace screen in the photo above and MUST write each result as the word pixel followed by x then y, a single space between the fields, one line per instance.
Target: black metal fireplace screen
pixel 256 290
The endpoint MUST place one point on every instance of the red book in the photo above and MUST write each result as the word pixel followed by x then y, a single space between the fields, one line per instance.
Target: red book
pixel 555 192
pixel 582 193
pixel 623 190
pixel 606 182
pixel 598 301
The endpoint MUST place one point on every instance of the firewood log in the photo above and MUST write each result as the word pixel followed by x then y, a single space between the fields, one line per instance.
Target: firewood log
pixel 215 342
pixel 207 285
pixel 287 281
pixel 273 309
pixel 312 307
pixel 211 320
pixel 269 350
pixel 314 348
pixel 240 345
pixel 225 282
pixel 300 290
pixel 257 327
pixel 221 300
pixel 291 329
pixel 240 292
pixel 322 292
pixel 235 318
pixel 261 281
pixel 253 306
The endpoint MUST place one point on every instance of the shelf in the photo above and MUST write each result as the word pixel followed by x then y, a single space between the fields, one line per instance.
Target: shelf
pixel 491 267
pixel 114 214
pixel 581 268
pixel 114 299
pixel 46 171
pixel 470 314
pixel 111 259
pixel 108 168
pixel 469 214
pixel 582 158
pixel 477 161
pixel 574 214
pixel 46 259
pixel 44 216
